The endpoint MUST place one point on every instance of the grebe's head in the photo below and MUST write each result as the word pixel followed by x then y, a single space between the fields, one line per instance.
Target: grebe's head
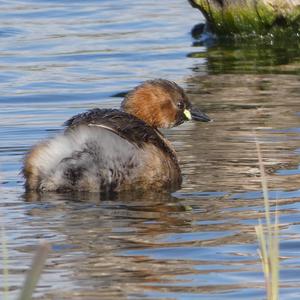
pixel 161 104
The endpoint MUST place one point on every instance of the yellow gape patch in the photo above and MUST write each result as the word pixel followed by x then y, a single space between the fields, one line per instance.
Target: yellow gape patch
pixel 187 113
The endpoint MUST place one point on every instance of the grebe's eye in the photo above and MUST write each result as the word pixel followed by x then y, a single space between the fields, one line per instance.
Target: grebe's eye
pixel 180 105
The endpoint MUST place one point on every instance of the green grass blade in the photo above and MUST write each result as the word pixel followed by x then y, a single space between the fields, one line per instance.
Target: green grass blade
pixel 275 265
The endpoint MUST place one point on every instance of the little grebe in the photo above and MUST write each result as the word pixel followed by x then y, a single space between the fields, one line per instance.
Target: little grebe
pixel 110 150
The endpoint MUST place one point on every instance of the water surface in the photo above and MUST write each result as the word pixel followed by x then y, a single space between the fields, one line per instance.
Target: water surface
pixel 59 58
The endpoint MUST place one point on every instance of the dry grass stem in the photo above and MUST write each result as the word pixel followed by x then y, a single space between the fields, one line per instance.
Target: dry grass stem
pixel 268 239
pixel 35 272
pixel 5 264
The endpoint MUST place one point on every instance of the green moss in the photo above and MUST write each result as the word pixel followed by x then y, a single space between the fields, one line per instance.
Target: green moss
pixel 250 17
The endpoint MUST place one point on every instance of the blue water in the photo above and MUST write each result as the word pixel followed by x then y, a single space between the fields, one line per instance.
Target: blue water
pixel 59 58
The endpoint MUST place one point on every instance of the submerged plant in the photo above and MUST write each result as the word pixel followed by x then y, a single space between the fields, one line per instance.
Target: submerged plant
pixel 268 240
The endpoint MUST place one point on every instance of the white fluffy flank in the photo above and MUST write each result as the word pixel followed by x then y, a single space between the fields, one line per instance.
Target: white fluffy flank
pixel 101 153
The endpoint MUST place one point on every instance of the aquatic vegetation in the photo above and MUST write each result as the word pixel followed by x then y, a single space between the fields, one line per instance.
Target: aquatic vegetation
pixel 268 240
pixel 250 17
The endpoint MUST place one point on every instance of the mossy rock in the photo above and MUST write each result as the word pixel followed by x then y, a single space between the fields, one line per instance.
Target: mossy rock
pixel 250 17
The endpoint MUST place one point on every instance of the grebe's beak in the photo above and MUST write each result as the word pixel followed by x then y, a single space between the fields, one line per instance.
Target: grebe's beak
pixel 196 114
